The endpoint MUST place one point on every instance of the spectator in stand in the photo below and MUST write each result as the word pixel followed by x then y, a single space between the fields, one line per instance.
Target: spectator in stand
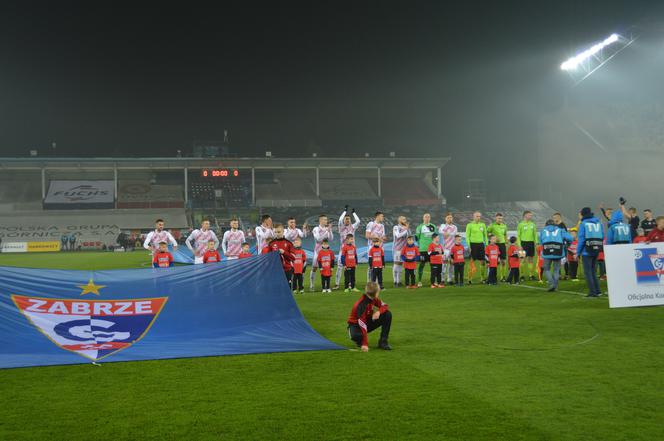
pixel 448 231
pixel 657 235
pixel 553 239
pixel 526 234
pixel 648 223
pixel 499 230
pixel 476 238
pixel 423 235
pixel 590 243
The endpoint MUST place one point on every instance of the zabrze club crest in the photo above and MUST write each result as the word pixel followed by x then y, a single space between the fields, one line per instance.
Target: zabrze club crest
pixel 92 328
pixel 649 266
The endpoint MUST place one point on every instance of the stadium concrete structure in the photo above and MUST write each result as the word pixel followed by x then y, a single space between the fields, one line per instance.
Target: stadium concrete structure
pixel 42 198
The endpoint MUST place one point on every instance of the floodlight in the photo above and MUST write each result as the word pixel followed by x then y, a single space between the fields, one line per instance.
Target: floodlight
pixel 576 60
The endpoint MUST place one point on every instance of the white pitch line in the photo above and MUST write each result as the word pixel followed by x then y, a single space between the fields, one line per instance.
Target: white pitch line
pixel 545 289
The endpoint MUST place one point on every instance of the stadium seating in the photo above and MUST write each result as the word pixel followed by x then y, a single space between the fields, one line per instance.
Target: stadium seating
pixel 349 189
pixel 146 194
pixel 407 191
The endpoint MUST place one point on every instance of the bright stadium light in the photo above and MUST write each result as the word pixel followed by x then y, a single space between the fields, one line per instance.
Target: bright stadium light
pixel 576 60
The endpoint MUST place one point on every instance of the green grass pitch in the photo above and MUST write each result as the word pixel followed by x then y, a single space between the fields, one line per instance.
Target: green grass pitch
pixel 472 363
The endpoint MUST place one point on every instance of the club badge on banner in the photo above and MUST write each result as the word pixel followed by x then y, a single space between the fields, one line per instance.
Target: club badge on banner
pixel 635 274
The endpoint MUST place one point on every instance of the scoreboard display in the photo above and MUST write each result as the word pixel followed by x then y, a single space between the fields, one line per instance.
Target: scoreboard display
pixel 219 173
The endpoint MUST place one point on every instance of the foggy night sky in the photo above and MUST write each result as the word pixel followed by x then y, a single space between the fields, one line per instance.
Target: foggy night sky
pixel 423 78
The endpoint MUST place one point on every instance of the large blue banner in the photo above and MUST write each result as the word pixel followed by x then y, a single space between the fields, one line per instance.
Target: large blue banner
pixel 50 317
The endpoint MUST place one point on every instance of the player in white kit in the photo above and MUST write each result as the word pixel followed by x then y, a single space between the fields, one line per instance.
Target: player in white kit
pixel 346 227
pixel 321 232
pixel 448 231
pixel 375 228
pixel 264 233
pixel 400 233
pixel 153 238
pixel 198 240
pixel 292 232
pixel 231 242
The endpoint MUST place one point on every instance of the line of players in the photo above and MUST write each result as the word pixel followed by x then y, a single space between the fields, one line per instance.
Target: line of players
pixel 446 260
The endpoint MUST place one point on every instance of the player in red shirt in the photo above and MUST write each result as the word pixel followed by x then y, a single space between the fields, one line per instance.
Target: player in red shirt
pixel 162 258
pixel 657 234
pixel 211 255
pixel 436 254
pixel 376 262
pixel 492 252
pixel 363 319
pixel 299 266
pixel 349 262
pixel 325 263
pixel 514 262
pixel 457 254
pixel 410 255
pixel 245 253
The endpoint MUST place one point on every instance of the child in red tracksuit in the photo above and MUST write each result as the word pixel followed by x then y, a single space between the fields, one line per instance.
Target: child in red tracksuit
pixel 457 254
pixel 376 262
pixel 211 254
pixel 514 261
pixel 299 266
pixel 162 258
pixel 410 255
pixel 436 254
pixel 349 262
pixel 492 253
pixel 245 251
pixel 326 264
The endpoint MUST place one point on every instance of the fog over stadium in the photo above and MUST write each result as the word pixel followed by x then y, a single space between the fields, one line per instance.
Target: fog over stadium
pixel 480 84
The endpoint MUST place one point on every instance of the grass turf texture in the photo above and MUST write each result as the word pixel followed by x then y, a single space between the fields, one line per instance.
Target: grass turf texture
pixel 475 362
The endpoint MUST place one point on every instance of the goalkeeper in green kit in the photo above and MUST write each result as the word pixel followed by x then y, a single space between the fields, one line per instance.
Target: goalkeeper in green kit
pixel 499 229
pixel 423 235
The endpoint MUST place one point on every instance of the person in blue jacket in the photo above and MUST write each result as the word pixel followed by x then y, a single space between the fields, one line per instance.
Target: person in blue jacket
pixel 618 231
pixel 591 240
pixel 553 238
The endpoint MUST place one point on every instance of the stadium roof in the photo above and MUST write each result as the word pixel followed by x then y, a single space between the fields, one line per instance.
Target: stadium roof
pixel 36 163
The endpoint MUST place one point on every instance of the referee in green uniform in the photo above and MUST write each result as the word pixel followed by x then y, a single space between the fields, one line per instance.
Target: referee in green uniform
pixel 476 238
pixel 526 234
pixel 499 229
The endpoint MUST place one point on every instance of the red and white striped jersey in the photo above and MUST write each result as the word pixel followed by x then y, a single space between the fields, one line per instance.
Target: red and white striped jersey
pixel 400 234
pixel 155 237
pixel 231 243
pixel 198 240
pixel 345 230
pixel 293 233
pixel 447 233
pixel 321 233
pixel 263 234
pixel 376 230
